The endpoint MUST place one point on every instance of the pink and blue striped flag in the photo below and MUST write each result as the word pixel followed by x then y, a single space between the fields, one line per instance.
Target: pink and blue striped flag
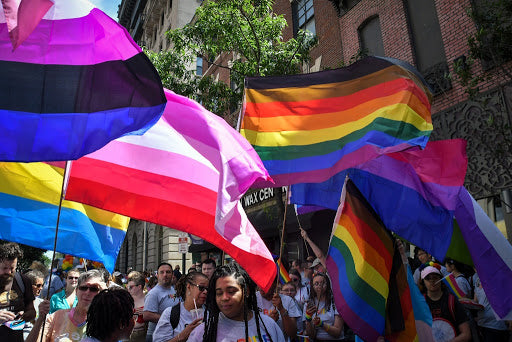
pixel 75 81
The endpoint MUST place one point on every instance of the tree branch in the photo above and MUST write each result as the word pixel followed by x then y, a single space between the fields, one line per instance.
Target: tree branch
pixel 258 54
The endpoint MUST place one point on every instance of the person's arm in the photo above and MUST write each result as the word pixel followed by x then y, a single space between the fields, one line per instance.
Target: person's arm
pixel 309 312
pixel 465 333
pixel 30 312
pixel 35 333
pixel 185 333
pixel 335 329
pixel 289 323
pixel 316 250
pixel 150 316
pixel 150 313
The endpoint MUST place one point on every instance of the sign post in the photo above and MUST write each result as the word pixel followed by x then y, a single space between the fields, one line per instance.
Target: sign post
pixel 183 249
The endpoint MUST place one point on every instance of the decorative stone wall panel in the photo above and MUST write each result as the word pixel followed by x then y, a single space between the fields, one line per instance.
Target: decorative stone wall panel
pixel 484 124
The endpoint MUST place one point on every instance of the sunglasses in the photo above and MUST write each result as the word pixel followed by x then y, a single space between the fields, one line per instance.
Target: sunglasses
pixel 38 285
pixel 200 287
pixel 93 289
pixel 295 279
pixel 71 278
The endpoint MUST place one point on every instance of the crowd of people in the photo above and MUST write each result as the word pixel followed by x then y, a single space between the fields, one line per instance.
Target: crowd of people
pixel 211 303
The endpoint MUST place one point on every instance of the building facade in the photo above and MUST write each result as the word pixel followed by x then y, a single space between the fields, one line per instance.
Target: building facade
pixel 146 244
pixel 432 36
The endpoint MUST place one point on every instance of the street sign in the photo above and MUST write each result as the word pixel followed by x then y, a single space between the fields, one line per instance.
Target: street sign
pixel 183 244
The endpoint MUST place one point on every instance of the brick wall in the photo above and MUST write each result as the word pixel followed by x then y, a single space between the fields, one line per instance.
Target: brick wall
pixel 328 52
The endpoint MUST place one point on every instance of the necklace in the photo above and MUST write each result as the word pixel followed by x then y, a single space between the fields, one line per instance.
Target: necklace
pixel 71 313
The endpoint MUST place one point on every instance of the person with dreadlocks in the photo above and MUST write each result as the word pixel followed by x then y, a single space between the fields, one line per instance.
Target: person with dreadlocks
pixel 232 310
pixel 178 321
pixel 323 322
pixel 110 316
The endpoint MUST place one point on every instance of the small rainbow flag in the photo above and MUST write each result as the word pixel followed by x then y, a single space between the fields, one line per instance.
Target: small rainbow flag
pixel 451 283
pixel 307 128
pixel 284 277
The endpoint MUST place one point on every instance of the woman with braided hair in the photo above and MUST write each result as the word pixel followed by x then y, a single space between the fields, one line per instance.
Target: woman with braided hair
pixel 178 321
pixel 232 310
pixel 110 316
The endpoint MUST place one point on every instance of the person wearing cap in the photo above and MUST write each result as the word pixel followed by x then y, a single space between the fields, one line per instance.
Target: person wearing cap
pixel 319 263
pixel 450 322
pixel 424 258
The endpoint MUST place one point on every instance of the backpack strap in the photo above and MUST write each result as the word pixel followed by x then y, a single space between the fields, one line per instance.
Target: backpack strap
pixel 175 315
pixel 20 282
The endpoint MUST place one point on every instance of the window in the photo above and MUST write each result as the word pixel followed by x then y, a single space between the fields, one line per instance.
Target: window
pixel 199 66
pixel 428 44
pixel 303 15
pixel 370 37
pixel 170 4
pixel 162 20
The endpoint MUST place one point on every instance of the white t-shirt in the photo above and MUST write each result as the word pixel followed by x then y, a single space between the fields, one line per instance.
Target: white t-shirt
pixel 157 300
pixel 164 330
pixel 229 330
pixel 288 304
pixel 327 316
pixel 302 296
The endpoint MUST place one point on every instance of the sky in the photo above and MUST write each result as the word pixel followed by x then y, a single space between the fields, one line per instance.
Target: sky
pixel 108 6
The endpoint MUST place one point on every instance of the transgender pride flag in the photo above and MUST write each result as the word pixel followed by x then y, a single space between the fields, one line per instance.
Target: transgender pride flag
pixel 75 83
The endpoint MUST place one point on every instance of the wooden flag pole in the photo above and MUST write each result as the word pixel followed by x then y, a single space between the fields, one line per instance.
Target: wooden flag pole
pixel 287 198
pixel 300 229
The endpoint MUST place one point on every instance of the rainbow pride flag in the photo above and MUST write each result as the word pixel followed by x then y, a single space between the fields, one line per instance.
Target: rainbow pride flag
pixel 75 83
pixel 452 285
pixel 359 260
pixel 307 128
pixel 29 200
pixel 284 277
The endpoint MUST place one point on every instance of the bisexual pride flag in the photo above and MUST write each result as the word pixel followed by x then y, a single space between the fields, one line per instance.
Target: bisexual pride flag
pixel 75 83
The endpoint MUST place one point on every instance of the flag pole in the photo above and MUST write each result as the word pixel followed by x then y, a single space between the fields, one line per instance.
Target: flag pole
pixel 300 228
pixel 62 194
pixel 287 198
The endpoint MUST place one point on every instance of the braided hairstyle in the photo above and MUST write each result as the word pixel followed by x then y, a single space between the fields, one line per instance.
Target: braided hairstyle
pixel 181 285
pixel 110 310
pixel 329 301
pixel 248 294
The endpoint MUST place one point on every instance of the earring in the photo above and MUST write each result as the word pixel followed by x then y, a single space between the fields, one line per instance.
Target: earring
pixel 188 293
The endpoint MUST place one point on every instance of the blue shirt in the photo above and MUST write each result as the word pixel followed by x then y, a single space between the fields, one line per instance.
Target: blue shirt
pixel 58 301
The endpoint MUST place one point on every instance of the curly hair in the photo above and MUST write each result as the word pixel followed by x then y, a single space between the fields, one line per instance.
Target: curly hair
pixel 110 310
pixel 329 300
pixel 248 294
pixel 181 285
pixel 10 251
